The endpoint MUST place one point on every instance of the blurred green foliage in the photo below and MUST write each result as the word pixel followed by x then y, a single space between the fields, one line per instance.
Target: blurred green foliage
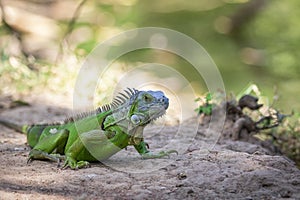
pixel 264 51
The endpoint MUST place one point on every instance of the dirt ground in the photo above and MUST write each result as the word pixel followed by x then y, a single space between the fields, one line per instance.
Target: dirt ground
pixel 231 170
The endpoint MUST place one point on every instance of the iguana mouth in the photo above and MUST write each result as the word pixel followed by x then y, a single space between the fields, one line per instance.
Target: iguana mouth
pixel 158 115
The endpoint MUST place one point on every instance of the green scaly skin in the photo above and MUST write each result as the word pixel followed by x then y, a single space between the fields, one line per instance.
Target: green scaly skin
pixel 97 135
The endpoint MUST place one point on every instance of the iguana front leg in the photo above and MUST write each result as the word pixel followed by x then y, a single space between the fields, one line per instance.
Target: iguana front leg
pixel 146 154
pixel 90 146
pixel 71 156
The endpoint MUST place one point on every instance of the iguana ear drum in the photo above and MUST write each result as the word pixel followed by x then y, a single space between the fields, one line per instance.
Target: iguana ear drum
pixel 135 119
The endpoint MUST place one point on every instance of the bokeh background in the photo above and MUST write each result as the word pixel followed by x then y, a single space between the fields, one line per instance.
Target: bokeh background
pixel 44 42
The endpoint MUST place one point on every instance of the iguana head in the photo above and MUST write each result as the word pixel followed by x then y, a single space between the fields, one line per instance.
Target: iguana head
pixel 132 109
pixel 146 106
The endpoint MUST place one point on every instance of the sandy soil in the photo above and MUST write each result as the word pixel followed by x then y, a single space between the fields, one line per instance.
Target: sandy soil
pixel 233 170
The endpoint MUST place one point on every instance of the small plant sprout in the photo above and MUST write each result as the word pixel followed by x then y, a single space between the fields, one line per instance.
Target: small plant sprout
pixel 206 105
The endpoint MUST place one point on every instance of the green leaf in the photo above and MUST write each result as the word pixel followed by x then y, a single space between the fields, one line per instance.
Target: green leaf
pixel 208 97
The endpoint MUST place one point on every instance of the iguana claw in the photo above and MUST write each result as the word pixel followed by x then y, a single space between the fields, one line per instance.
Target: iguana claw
pixel 161 154
pixel 172 151
pixel 73 164
pixel 29 160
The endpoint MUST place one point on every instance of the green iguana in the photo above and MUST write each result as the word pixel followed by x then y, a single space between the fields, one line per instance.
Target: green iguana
pixel 97 135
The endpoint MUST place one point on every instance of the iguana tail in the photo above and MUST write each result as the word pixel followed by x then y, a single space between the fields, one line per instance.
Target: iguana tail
pixel 16 127
pixel 33 132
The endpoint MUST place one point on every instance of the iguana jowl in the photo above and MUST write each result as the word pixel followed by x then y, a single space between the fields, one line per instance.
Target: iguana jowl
pixel 97 135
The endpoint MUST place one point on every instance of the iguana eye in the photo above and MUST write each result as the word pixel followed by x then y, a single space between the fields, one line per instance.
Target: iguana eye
pixel 147 98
